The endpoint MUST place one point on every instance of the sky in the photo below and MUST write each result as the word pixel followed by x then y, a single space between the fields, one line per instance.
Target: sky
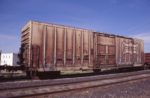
pixel 121 17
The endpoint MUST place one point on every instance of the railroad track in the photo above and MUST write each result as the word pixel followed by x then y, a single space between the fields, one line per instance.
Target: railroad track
pixel 34 88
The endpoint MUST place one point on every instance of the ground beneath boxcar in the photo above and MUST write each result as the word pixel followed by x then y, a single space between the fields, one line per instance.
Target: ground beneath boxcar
pixel 134 89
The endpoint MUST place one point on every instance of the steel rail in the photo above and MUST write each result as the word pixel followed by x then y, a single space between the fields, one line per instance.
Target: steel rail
pixel 64 85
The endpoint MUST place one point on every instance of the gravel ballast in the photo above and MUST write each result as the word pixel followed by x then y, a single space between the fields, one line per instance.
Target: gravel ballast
pixel 132 89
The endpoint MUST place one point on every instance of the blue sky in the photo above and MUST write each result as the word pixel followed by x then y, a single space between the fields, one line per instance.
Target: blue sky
pixel 122 17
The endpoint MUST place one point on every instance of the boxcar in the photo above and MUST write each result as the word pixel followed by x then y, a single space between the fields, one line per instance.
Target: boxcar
pixel 49 47
pixel 147 59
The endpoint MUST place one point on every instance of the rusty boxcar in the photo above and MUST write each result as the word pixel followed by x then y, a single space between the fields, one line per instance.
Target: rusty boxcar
pixel 50 47
pixel 147 59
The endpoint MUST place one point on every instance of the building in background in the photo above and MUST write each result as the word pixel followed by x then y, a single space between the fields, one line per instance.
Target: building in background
pixel 9 59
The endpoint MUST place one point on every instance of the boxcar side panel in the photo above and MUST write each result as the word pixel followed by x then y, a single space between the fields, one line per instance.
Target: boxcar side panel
pixel 69 46
pixel 49 58
pixel 60 46
pixel 57 47
pixel 37 45
pixel 138 52
pixel 125 51
pixel 78 38
pixel 129 52
pixel 85 48
pixel 91 50
pixel 42 46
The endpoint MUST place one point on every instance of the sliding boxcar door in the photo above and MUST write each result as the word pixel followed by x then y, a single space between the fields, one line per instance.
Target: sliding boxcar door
pixel 105 51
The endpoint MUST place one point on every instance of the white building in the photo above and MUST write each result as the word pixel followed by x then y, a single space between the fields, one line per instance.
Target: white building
pixel 9 59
